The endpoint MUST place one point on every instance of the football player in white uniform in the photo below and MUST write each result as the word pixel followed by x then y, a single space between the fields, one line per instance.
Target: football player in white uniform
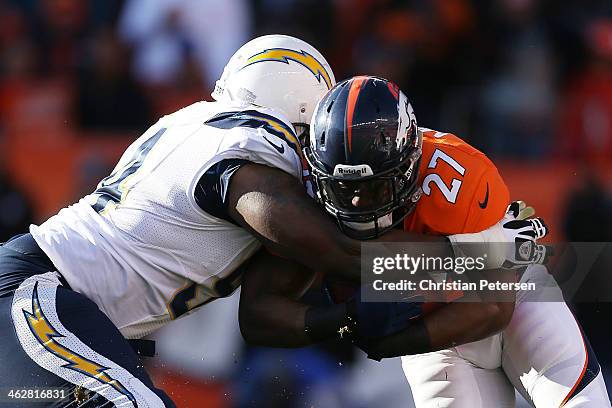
pixel 158 237
pixel 170 229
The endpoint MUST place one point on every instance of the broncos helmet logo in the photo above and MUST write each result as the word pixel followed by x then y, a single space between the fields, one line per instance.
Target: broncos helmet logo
pixel 285 55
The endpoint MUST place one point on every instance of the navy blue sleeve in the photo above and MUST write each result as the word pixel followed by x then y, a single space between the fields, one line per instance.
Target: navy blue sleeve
pixel 211 190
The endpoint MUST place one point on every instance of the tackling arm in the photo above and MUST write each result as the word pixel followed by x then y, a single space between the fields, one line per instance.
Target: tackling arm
pixel 273 206
pixel 451 325
pixel 271 314
pixel 270 311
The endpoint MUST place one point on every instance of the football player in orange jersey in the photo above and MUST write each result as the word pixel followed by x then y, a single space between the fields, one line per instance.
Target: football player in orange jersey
pixel 462 354
pixel 482 373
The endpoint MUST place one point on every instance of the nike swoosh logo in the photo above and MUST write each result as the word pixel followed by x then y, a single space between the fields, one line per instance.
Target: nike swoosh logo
pixel 279 148
pixel 484 202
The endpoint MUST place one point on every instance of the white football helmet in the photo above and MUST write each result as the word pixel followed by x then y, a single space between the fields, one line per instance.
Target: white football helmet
pixel 278 72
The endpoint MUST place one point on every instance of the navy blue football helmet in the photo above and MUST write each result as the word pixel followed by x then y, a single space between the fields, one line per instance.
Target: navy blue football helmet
pixel 364 154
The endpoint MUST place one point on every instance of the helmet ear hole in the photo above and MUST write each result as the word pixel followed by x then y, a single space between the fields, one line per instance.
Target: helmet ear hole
pixel 323 139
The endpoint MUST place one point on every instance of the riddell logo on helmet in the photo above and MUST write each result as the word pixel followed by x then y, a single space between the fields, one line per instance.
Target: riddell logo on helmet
pixel 360 170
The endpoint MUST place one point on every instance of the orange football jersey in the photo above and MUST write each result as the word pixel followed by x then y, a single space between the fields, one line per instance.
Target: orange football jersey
pixel 462 189
pixel 462 192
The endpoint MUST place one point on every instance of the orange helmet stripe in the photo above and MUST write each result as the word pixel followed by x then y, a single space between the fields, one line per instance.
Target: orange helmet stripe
pixel 356 85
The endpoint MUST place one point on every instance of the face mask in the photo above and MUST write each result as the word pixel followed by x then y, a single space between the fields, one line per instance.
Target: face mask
pixel 383 222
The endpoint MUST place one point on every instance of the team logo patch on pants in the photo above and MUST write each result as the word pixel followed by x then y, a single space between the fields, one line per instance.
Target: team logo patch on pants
pixel 50 345
pixel 48 336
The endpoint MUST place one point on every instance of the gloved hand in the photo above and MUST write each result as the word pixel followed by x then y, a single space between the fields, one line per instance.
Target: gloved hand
pixel 357 320
pixel 509 243
pixel 379 319
pixel 526 231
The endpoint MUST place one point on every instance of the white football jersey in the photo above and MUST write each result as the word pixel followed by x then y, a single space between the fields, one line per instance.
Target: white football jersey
pixel 140 246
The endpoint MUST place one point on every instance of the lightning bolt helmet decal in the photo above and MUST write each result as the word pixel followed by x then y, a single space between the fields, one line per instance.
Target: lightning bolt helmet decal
pixel 301 57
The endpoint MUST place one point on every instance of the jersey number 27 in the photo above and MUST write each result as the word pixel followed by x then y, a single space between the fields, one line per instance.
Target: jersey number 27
pixel 450 193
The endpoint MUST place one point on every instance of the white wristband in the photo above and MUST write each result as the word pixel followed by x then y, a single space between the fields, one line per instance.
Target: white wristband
pixel 491 248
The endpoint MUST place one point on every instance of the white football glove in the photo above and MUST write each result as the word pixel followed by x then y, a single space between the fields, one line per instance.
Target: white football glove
pixel 510 243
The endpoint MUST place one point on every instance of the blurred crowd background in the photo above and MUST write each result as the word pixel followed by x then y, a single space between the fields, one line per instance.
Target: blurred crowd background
pixel 529 82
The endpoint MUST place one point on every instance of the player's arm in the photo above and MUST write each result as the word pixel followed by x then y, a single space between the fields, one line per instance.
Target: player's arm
pixel 464 322
pixel 449 326
pixel 476 317
pixel 456 323
pixel 273 206
pixel 272 314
